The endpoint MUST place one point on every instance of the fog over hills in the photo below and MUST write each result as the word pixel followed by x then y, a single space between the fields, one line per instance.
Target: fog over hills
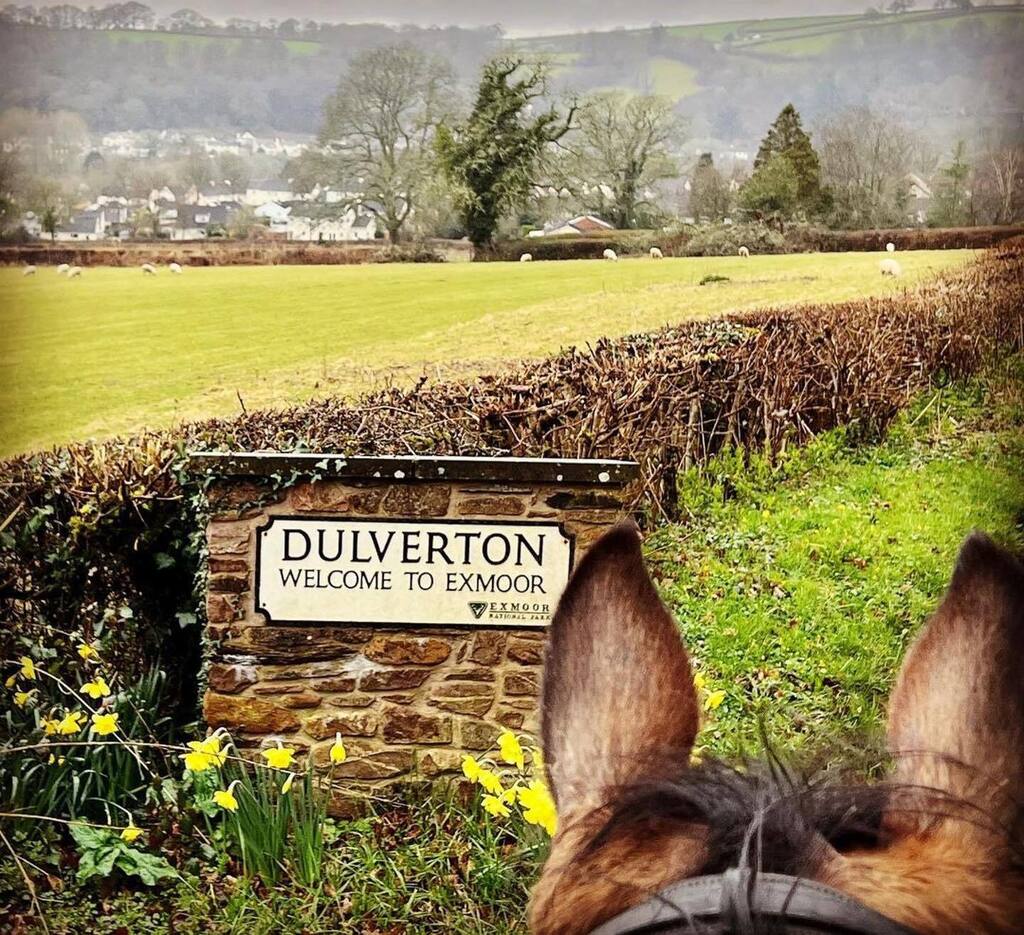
pixel 521 17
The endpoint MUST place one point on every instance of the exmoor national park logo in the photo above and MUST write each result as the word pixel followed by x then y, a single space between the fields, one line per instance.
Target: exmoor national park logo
pixel 478 608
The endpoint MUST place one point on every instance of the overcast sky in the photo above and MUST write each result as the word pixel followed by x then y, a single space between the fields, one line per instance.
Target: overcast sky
pixel 516 16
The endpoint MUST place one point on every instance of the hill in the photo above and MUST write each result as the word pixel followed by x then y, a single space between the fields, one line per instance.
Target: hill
pixel 729 78
pixel 931 67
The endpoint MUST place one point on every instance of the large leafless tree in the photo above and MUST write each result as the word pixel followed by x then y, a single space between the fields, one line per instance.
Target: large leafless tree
pixel 623 147
pixel 379 125
pixel 865 158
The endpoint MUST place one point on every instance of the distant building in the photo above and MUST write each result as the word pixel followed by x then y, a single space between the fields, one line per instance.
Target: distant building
pixel 306 222
pixel 919 200
pixel 215 193
pixel 581 224
pixel 87 225
pixel 193 222
pixel 31 224
pixel 260 191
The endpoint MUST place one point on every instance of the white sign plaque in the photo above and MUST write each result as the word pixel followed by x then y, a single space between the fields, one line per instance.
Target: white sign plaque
pixel 446 572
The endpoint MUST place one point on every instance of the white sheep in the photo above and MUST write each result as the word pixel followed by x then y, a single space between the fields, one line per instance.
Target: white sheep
pixel 744 252
pixel 526 258
pixel 62 269
pixel 74 271
pixel 28 271
pixel 890 267
pixel 890 247
pixel 149 269
pixel 656 253
pixel 610 254
pixel 174 268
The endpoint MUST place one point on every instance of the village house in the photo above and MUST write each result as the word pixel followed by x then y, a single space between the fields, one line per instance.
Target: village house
pixel 86 225
pixel 260 191
pixel 192 222
pixel 919 198
pixel 581 224
pixel 307 222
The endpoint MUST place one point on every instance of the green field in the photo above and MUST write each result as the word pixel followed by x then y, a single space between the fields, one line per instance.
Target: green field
pixel 115 350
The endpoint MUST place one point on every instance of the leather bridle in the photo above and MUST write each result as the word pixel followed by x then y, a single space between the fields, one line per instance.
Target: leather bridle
pixel 739 901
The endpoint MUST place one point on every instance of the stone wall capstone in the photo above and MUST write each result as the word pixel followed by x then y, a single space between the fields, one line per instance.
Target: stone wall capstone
pixel 409 700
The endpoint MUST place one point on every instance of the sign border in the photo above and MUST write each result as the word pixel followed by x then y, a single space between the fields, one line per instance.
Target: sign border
pixel 259 530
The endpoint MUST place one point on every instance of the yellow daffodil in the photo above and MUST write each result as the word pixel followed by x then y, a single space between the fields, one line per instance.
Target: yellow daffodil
pixel 97 688
pixel 698 681
pixel 71 723
pixel 131 833
pixel 28 667
pixel 225 798
pixel 279 757
pixel 104 724
pixel 205 754
pixel 286 786
pixel 11 681
pixel 537 758
pixel 22 698
pixel 511 751
pixel 494 806
pixel 59 760
pixel 714 699
pixel 337 752
pixel 539 806
pixel 51 726
pixel 491 782
pixel 470 768
pixel 86 652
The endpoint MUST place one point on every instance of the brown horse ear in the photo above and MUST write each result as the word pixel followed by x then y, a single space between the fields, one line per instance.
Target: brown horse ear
pixel 956 717
pixel 619 703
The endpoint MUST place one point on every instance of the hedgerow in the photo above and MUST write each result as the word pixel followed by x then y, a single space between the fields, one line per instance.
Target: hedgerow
pixel 108 536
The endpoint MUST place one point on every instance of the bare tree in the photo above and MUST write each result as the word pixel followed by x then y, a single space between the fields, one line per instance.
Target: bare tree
pixel 379 125
pixel 865 159
pixel 997 185
pixel 622 149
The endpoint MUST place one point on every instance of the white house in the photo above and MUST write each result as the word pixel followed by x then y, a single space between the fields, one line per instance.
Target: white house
pixel 87 225
pixel 920 198
pixel 306 224
pixel 31 224
pixel 192 222
pixel 260 191
pixel 275 215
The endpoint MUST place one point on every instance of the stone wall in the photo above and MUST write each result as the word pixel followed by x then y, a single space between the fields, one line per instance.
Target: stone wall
pixel 408 702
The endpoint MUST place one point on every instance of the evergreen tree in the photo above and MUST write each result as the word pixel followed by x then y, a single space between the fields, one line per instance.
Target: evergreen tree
pixel 787 137
pixel 491 159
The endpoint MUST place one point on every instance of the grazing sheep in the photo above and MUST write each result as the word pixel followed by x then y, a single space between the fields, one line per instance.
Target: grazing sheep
pixel 174 267
pixel 63 268
pixel 656 253
pixel 744 252
pixel 890 268
pixel 149 269
pixel 890 247
pixel 610 254
pixel 526 258
pixel 74 271
pixel 28 271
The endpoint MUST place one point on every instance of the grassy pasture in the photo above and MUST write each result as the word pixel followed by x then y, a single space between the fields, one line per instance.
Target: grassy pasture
pixel 117 351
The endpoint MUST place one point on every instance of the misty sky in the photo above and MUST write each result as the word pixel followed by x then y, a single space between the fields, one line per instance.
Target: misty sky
pixel 516 16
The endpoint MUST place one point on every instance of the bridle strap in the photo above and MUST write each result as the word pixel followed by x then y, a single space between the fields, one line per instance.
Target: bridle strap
pixel 737 900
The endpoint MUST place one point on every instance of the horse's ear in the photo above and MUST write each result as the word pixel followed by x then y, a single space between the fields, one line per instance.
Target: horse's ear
pixel 619 703
pixel 956 718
